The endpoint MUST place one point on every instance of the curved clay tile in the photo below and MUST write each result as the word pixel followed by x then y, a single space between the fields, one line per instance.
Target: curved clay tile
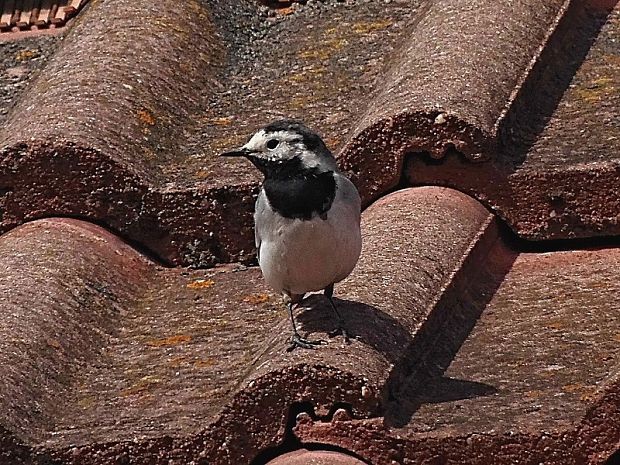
pixel 95 130
pixel 450 85
pixel 96 334
pixel 24 15
pixel 107 357
pixel 125 131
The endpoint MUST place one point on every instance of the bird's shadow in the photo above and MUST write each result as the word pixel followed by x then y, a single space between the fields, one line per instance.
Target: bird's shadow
pixel 386 335
pixel 420 358
pixel 363 322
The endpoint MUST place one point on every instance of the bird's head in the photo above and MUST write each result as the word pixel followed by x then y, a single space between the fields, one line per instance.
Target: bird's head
pixel 285 146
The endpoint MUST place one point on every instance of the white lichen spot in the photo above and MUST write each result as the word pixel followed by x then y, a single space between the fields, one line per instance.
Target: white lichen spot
pixel 440 119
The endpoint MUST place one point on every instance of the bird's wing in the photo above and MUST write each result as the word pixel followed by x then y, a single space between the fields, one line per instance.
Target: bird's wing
pixel 259 218
pixel 349 194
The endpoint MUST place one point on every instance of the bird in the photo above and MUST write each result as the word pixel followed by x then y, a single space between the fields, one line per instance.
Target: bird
pixel 306 217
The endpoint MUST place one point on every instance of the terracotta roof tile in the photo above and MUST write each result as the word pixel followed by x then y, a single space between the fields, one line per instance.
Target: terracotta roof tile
pixel 464 347
pixel 559 164
pixel 535 380
pixel 198 355
pixel 143 124
pixel 451 84
pixel 547 322
pixel 181 350
pixel 22 15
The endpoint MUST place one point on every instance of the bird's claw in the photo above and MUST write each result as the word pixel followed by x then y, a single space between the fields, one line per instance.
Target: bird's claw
pixel 340 330
pixel 298 341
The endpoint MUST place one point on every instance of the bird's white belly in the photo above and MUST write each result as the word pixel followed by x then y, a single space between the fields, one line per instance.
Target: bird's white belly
pixel 300 256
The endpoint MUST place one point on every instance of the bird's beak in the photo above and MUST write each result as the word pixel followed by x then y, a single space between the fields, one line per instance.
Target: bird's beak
pixel 240 152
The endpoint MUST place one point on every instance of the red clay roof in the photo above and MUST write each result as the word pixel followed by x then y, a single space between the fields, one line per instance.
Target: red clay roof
pixel 466 346
pixel 142 124
pixel 23 15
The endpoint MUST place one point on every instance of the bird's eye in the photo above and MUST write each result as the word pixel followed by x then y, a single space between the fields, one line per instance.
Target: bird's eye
pixel 272 143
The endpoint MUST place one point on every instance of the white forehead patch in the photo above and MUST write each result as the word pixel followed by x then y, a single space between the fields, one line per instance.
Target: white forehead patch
pixel 259 141
pixel 291 145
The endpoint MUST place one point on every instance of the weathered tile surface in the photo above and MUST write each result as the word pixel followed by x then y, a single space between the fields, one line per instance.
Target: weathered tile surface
pixel 127 130
pixel 199 355
pixel 557 176
pixel 464 347
pixel 535 381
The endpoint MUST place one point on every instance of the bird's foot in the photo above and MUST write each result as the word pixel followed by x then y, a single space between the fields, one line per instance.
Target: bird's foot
pixel 298 341
pixel 340 330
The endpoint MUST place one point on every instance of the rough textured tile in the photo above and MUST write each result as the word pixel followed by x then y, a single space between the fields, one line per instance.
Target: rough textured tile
pixel 64 286
pixel 19 61
pixel 535 381
pixel 250 380
pixel 557 176
pixel 199 355
pixel 127 130
pixel 464 349
pixel 450 85
pixel 547 342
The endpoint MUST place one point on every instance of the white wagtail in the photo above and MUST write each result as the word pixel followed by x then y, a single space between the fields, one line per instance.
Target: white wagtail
pixel 307 217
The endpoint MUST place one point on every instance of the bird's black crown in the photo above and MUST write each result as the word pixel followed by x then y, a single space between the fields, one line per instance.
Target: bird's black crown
pixel 311 139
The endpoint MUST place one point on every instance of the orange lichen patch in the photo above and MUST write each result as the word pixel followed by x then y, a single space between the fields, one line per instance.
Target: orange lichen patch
pixel 300 103
pixel 142 386
pixel 603 81
pixel 201 284
pixel 53 343
pixel 325 49
pixel 176 361
pixel 586 392
pixel 597 89
pixel 256 299
pixel 371 26
pixel 574 387
pixel 333 142
pixel 146 117
pixel 308 74
pixel 223 121
pixel 168 25
pixel 285 11
pixel 202 174
pixel 147 153
pixel 199 9
pixel 617 337
pixel 86 402
pixel 170 341
pixel 555 324
pixel 24 55
pixel 612 60
pixel 224 141
pixel 588 395
pixel 535 394
pixel 205 362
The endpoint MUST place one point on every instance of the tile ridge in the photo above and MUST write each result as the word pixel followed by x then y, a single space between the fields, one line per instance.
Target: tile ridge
pixel 448 88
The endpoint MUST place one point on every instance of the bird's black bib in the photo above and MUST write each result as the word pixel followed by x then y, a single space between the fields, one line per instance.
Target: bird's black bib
pixel 300 193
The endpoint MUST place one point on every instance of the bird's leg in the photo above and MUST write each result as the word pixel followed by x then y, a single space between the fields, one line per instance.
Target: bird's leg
pixel 296 339
pixel 329 292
